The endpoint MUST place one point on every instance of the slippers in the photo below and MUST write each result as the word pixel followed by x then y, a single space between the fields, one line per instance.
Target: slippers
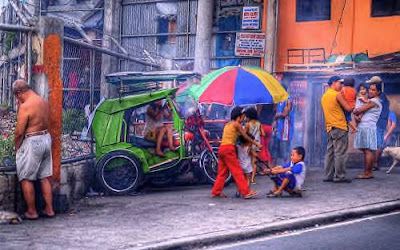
pixel 46 216
pixel 270 192
pixel 250 195
pixel 221 195
pixel 364 177
pixel 24 217
pixel 274 195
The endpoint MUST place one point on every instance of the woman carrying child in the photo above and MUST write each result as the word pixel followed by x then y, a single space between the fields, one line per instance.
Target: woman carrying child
pixel 228 159
pixel 366 138
pixel 253 127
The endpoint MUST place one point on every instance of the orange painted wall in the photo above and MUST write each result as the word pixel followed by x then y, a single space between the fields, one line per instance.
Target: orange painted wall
pixel 357 33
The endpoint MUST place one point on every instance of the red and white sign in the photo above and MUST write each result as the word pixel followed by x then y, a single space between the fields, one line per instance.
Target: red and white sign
pixel 250 44
pixel 251 18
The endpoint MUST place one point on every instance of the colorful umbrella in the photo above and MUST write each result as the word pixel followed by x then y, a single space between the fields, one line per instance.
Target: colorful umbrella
pixel 236 85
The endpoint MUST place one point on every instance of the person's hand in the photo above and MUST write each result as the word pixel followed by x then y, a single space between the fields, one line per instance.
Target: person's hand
pixel 385 138
pixel 266 171
pixel 258 145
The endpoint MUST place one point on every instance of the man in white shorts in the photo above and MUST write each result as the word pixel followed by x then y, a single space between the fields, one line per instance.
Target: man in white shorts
pixel 33 146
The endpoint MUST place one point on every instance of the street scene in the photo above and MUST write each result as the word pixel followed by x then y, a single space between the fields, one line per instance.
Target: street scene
pixel 199 124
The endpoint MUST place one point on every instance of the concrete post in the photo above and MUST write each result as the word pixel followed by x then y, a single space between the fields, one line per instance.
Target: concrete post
pixel 202 56
pixel 111 26
pixel 271 35
pixel 47 81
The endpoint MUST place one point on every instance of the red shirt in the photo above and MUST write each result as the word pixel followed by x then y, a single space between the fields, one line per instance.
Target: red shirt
pixel 350 95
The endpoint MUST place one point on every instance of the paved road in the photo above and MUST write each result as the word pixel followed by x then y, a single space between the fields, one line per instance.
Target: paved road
pixel 165 215
pixel 378 232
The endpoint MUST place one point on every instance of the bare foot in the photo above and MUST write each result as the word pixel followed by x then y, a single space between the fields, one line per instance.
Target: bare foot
pixel 160 153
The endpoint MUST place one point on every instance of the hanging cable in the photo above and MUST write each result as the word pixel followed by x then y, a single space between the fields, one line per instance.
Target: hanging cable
pixel 337 28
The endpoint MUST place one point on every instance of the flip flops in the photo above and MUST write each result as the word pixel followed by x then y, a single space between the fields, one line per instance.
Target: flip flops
pixel 46 216
pixel 273 195
pixel 364 177
pixel 221 195
pixel 250 195
pixel 24 217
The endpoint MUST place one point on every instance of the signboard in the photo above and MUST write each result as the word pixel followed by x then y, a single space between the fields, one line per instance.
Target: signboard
pixel 251 18
pixel 250 44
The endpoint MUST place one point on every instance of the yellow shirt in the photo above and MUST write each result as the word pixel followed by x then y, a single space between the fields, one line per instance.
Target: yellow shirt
pixel 334 115
pixel 230 134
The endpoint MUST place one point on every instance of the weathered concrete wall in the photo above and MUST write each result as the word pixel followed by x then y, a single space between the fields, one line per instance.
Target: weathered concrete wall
pixel 76 180
pixel 7 191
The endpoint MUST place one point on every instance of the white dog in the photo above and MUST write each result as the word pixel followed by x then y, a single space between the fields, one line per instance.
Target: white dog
pixel 394 152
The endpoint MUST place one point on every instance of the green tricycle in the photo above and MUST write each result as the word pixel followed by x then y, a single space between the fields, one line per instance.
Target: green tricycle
pixel 125 159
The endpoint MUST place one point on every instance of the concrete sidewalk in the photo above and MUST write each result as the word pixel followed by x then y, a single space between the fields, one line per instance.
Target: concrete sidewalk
pixel 184 217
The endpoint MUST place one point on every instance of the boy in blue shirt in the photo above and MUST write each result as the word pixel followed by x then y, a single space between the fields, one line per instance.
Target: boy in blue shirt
pixel 289 177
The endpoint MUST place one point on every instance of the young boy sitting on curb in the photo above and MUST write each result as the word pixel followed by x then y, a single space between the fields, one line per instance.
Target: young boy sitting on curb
pixel 289 177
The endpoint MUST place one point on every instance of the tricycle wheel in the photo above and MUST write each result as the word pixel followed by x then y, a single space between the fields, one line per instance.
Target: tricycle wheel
pixel 209 164
pixel 119 173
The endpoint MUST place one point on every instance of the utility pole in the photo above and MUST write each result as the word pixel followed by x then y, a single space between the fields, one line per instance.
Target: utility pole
pixel 112 9
pixel 202 55
pixel 271 35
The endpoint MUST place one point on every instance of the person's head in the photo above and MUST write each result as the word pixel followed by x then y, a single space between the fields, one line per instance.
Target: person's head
pixel 298 154
pixel 375 89
pixel 237 114
pixel 243 141
pixel 375 80
pixel 335 82
pixel 20 89
pixel 251 114
pixel 362 89
pixel 349 82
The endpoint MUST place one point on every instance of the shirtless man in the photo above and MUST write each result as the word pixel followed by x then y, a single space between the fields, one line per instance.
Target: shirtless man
pixel 33 147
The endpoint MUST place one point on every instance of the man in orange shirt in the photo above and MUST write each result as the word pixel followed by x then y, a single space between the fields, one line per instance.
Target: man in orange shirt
pixel 333 105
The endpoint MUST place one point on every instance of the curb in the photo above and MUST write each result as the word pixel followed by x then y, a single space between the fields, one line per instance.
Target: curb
pixel 251 232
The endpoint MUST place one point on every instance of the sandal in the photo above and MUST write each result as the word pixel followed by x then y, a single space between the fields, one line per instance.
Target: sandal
pixel 221 195
pixel 250 195
pixel 25 217
pixel 364 177
pixel 274 195
pixel 270 192
pixel 47 216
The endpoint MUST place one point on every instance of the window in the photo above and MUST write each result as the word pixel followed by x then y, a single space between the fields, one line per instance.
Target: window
pixel 385 8
pixel 166 27
pixel 313 10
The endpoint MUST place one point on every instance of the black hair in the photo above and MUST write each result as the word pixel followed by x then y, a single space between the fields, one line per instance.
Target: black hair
pixel 242 140
pixel 349 82
pixel 364 85
pixel 251 113
pixel 236 112
pixel 301 151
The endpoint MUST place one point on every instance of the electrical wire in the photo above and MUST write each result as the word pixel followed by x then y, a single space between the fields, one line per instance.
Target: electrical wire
pixel 337 28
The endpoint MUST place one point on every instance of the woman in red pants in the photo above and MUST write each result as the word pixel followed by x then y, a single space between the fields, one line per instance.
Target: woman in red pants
pixel 228 160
